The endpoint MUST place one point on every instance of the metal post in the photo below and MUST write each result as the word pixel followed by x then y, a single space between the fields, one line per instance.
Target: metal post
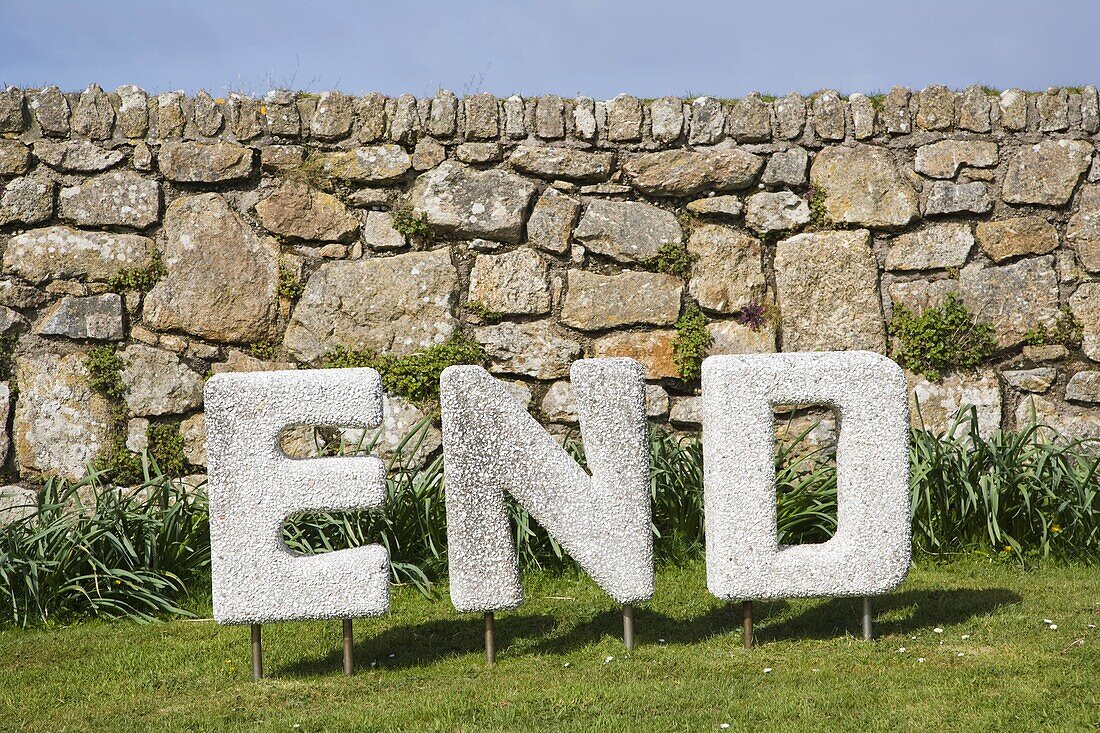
pixel 490 640
pixel 349 664
pixel 628 626
pixel 257 653
pixel 746 623
pixel 868 634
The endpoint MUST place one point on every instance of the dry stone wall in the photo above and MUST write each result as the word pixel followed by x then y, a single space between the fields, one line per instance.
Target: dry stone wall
pixel 199 235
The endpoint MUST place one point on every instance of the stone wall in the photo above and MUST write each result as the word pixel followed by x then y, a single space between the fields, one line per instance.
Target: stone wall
pixel 178 228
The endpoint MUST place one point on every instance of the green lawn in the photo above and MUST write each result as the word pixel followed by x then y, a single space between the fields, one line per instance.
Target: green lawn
pixel 995 666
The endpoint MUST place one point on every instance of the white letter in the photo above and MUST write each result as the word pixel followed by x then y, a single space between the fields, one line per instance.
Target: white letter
pixel 254 487
pixel 870 551
pixel 491 445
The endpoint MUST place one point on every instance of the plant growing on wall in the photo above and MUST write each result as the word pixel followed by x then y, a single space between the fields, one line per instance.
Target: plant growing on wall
pixel 672 258
pixel 412 225
pixel 140 278
pixel 691 342
pixel 413 376
pixel 483 312
pixel 1066 331
pixel 290 286
pixel 164 443
pixel 940 339
pixel 754 315
pixel 8 342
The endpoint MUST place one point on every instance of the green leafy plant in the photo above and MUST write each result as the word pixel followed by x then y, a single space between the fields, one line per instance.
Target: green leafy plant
pixel 1028 493
pixel 115 460
pixel 1066 331
pixel 414 376
pixel 166 448
pixel 481 311
pixel 140 278
pixel 118 464
pixel 691 342
pixel 289 286
pixel 941 339
pixel 105 376
pixel 819 215
pixel 412 225
pixel 90 549
pixel 266 350
pixel 672 258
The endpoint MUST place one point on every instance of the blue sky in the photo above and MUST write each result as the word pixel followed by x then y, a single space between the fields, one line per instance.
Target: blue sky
pixel 599 48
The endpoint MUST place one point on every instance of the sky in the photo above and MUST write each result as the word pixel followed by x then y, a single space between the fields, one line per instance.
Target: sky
pixel 599 48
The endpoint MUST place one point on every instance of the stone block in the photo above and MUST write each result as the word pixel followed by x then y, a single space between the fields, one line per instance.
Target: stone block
pixel 934 247
pixel 465 202
pixel 533 349
pixel 594 302
pixel 393 304
pixel 221 277
pixel 728 270
pixel 96 317
pixel 117 198
pixel 626 231
pixel 195 162
pixel 511 283
pixel 827 288
pixel 1005 239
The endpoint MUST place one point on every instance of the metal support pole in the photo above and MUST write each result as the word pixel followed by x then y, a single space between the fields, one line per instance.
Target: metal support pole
pixel 349 664
pixel 746 624
pixel 868 634
pixel 490 639
pixel 628 626
pixel 257 653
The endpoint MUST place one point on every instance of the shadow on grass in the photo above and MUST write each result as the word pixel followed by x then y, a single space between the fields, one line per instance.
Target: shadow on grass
pixel 901 612
pixel 904 613
pixel 650 627
pixel 432 641
pixel 423 643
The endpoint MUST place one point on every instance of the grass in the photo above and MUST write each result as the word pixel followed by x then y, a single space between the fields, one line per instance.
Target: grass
pixel 1016 495
pixel 994 665
pixel 112 553
pixel 1015 674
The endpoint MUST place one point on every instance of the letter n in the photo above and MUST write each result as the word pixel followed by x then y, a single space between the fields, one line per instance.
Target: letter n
pixel 493 447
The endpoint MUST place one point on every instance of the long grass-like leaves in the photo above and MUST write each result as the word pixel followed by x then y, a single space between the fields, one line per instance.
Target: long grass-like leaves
pixel 93 549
